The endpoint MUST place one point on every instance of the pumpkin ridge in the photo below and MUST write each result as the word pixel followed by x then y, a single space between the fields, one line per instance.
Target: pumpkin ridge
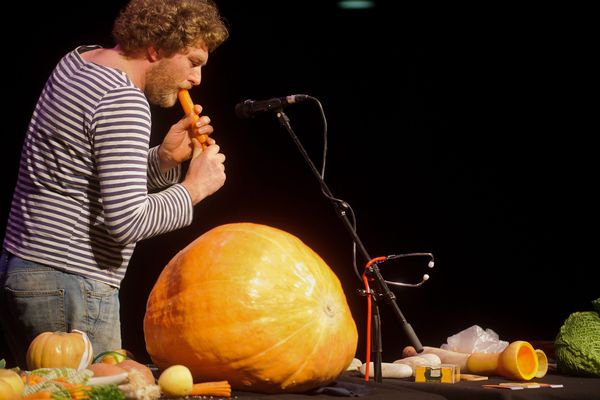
pixel 306 359
pixel 276 345
pixel 277 244
pixel 262 236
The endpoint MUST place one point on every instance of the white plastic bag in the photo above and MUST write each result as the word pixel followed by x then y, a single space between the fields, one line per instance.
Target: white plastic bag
pixel 475 340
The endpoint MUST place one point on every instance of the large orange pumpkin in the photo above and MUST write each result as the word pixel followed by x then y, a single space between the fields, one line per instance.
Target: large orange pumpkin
pixel 253 305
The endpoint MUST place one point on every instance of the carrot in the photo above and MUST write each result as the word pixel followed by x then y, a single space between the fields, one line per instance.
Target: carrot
pixel 188 107
pixel 74 386
pixel 79 394
pixel 39 395
pixel 219 388
pixel 32 379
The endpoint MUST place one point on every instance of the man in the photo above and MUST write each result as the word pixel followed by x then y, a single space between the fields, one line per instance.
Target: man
pixel 89 187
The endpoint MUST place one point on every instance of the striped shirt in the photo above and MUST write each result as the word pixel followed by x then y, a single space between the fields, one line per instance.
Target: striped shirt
pixel 89 187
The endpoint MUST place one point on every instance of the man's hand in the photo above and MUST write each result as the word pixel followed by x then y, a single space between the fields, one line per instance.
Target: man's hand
pixel 206 172
pixel 177 145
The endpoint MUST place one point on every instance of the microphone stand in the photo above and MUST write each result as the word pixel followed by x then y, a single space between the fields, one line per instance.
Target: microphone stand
pixel 373 271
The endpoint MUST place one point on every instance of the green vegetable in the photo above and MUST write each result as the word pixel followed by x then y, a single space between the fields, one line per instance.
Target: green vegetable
pixel 577 345
pixel 105 392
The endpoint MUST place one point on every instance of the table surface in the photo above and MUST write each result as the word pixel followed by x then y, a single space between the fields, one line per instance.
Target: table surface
pixel 574 388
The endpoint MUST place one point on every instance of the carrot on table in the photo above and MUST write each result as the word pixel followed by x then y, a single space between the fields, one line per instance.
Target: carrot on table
pixel 219 388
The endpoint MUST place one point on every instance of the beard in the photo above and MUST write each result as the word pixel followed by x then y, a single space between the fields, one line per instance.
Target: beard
pixel 160 88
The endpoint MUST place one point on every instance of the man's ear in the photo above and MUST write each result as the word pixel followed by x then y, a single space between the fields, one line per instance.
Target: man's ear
pixel 152 54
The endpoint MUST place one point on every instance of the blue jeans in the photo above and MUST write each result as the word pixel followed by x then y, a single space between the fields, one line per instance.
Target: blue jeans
pixel 35 298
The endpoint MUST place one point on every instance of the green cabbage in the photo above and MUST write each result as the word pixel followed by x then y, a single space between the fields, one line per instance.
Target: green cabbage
pixel 577 345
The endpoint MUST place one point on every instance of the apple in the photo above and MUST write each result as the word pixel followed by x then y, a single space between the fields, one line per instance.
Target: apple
pixel 14 381
pixel 176 381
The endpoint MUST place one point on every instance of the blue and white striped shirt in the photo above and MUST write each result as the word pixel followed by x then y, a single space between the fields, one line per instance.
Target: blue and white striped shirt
pixel 85 193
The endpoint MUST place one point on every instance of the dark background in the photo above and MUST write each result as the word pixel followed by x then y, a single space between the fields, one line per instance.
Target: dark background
pixel 466 132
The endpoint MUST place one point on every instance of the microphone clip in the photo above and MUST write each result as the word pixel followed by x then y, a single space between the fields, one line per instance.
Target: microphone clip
pixel 248 108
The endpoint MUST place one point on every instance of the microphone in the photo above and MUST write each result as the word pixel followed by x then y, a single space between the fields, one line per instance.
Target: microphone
pixel 248 108
pixel 425 278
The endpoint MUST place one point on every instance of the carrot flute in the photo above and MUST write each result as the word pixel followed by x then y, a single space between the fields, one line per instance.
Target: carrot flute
pixel 188 107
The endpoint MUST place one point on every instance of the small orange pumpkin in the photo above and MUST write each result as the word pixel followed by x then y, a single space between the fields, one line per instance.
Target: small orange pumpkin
pixel 253 305
pixel 60 350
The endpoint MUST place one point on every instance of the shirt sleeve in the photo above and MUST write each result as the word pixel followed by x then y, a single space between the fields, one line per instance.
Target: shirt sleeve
pixel 126 168
pixel 156 178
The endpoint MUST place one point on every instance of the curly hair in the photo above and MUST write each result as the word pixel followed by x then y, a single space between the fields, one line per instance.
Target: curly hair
pixel 169 25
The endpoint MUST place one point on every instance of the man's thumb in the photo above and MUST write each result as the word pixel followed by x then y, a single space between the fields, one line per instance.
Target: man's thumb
pixel 197 150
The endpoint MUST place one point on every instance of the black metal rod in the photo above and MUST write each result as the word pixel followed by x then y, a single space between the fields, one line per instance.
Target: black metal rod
pixel 386 293
pixel 377 346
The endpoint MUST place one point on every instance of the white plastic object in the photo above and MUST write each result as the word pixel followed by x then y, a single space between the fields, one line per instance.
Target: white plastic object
pixel 108 379
pixel 389 370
